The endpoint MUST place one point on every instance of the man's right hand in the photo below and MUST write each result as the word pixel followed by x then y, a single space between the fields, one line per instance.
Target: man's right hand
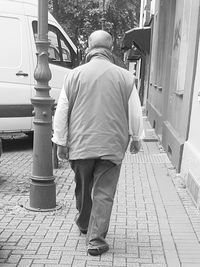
pixel 62 153
pixel 135 146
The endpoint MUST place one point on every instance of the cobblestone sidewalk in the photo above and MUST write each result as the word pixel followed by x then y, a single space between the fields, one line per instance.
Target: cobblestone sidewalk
pixel 154 222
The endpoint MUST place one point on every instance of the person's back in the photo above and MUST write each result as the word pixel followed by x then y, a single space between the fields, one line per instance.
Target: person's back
pixel 98 93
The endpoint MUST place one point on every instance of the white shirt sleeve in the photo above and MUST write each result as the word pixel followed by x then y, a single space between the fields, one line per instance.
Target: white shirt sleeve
pixel 136 129
pixel 60 122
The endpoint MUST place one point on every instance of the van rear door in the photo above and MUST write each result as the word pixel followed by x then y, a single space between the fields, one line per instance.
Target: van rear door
pixel 15 90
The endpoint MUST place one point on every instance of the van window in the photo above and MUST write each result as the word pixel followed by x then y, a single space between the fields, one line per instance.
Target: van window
pixel 11 54
pixel 60 52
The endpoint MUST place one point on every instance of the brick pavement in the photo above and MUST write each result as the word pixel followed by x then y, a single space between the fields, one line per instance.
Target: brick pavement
pixel 154 222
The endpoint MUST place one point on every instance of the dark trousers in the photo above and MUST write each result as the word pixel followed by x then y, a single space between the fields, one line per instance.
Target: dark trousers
pixel 96 182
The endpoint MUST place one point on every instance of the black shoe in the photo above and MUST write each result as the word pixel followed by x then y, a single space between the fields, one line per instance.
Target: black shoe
pixel 97 250
pixel 83 231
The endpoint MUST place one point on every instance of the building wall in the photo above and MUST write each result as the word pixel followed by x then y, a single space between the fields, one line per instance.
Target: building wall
pixel 163 24
pixel 171 72
pixel 190 167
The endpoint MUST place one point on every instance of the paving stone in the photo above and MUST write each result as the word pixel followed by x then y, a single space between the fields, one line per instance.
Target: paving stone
pixel 154 222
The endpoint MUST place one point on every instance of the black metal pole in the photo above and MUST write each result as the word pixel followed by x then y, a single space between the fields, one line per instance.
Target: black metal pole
pixel 42 185
pixel 102 9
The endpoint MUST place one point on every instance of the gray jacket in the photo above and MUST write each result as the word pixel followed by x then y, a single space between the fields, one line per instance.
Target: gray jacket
pixel 96 123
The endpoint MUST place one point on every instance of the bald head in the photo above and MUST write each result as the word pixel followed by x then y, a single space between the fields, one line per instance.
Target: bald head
pixel 100 38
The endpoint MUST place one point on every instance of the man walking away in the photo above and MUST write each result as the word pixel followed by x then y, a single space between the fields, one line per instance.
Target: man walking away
pixel 97 113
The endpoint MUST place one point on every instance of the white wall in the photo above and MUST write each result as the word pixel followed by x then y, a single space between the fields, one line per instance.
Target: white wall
pixel 191 153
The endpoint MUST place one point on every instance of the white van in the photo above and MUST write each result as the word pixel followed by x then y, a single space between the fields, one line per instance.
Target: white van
pixel 18 29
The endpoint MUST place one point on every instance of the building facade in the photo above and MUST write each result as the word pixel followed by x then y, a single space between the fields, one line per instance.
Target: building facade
pixel 171 75
pixel 190 165
pixel 172 82
pixel 173 102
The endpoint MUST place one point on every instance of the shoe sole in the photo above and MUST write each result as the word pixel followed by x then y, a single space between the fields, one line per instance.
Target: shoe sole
pixel 97 251
pixel 84 232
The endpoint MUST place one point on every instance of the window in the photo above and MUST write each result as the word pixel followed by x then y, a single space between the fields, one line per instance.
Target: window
pixel 11 52
pixel 60 52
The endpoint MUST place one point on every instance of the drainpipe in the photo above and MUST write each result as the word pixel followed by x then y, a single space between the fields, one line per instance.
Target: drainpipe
pixel 142 2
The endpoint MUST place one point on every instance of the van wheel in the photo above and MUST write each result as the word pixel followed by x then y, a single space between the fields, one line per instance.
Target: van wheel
pixel 30 134
pixel 30 137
